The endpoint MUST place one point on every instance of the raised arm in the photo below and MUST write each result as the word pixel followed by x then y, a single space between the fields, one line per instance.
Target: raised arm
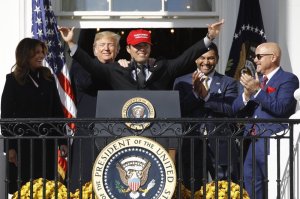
pixel 214 29
pixel 67 34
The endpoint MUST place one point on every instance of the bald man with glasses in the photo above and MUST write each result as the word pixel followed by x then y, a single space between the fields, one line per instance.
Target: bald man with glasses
pixel 268 96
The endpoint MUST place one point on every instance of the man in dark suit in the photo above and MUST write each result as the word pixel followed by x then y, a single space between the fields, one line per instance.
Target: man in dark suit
pixel 270 96
pixel 159 76
pixel 208 94
pixel 141 72
pixel 105 47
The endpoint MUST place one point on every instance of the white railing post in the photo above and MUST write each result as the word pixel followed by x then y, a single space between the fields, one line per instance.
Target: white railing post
pixel 285 183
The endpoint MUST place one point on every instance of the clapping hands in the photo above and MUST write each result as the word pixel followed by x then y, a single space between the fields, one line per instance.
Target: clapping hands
pixel 198 84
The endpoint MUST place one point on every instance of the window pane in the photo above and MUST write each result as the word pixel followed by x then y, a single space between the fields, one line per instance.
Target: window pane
pixel 85 5
pixel 189 5
pixel 139 5
pixel 136 5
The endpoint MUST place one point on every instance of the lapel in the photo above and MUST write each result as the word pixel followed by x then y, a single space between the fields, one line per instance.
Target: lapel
pixel 152 70
pixel 216 83
pixel 127 72
pixel 131 71
pixel 275 79
pixel 272 84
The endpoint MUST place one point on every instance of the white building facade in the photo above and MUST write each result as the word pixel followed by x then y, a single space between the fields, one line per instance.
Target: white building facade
pixel 280 21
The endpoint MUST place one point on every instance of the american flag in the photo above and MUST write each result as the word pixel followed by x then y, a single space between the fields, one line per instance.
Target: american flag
pixel 44 28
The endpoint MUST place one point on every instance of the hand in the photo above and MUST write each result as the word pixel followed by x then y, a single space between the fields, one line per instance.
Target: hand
pixel 250 84
pixel 151 61
pixel 123 62
pixel 198 86
pixel 67 34
pixel 214 29
pixel 197 75
pixel 12 156
pixel 64 150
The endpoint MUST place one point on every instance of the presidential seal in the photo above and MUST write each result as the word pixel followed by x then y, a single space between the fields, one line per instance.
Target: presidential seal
pixel 134 167
pixel 138 108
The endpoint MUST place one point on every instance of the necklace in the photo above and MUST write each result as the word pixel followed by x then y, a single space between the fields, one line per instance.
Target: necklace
pixel 33 81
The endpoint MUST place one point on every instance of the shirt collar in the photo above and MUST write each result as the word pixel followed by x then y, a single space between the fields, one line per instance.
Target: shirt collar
pixel 271 74
pixel 210 75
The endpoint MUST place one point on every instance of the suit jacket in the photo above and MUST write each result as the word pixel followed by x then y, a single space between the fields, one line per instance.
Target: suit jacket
pixel 86 86
pixel 276 100
pixel 163 71
pixel 223 91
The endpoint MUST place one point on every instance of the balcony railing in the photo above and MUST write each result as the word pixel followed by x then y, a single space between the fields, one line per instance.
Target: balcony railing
pixel 197 147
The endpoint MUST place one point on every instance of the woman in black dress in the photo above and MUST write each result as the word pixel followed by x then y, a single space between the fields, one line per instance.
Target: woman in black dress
pixel 30 92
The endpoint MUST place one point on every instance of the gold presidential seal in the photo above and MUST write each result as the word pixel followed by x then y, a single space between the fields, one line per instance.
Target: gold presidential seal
pixel 138 108
pixel 134 167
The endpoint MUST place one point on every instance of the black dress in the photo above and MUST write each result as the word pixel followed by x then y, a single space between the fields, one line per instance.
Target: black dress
pixel 37 98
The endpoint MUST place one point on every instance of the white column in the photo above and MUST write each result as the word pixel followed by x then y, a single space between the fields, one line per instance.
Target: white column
pixel 289 31
pixel 15 18
pixel 229 12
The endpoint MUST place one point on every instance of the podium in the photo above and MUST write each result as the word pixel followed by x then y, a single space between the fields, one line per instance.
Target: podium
pixel 139 104
pixel 110 103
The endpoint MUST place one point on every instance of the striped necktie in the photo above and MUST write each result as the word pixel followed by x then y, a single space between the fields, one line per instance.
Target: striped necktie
pixel 263 82
pixel 205 82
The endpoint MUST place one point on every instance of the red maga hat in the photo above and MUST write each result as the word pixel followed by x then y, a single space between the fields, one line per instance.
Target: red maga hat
pixel 139 36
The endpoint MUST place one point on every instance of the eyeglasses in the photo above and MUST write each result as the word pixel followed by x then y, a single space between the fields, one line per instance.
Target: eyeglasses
pixel 259 56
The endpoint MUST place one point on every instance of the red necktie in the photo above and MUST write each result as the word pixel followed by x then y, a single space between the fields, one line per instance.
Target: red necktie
pixel 263 82
pixel 253 130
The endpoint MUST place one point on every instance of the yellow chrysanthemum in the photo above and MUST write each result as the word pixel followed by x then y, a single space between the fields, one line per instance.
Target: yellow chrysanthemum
pixel 222 191
pixel 211 191
pixel 38 191
pixel 87 191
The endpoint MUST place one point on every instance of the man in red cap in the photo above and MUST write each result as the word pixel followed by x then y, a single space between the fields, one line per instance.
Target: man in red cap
pixel 141 74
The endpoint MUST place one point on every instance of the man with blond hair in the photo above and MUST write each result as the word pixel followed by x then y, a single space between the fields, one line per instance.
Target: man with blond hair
pixel 86 85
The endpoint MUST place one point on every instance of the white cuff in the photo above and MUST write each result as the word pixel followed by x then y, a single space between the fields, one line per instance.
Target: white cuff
pixel 244 99
pixel 73 49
